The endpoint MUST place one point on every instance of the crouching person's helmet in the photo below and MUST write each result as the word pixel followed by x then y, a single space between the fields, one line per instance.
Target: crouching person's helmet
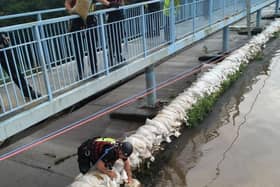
pixel 126 148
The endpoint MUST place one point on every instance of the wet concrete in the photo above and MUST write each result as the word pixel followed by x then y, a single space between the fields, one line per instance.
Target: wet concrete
pixel 237 144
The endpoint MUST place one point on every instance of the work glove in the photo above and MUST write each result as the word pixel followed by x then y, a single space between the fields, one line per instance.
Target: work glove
pixel 114 5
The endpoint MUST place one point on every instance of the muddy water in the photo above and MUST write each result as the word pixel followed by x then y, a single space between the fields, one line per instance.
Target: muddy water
pixel 237 145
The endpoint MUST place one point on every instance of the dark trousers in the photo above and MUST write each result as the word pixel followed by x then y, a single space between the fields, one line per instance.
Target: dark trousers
pixel 10 68
pixel 167 28
pixel 89 37
pixel 153 20
pixel 115 36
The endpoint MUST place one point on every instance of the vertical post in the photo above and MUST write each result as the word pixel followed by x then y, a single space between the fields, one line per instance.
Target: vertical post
pixel 39 17
pixel 172 21
pixel 277 7
pixel 190 3
pixel 235 6
pixel 42 61
pixel 103 43
pixel 258 18
pixel 248 8
pixel 225 39
pixel 144 30
pixel 45 45
pixel 194 15
pixel 127 34
pixel 150 85
pixel 224 8
pixel 210 11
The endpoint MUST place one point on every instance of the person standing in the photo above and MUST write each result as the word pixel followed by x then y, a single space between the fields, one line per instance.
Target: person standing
pixel 84 28
pixel 78 24
pixel 115 34
pixel 6 61
pixel 166 12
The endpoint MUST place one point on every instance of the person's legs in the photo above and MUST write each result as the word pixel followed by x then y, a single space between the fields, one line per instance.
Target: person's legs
pixel 149 22
pixel 91 43
pixel 117 32
pixel 78 46
pixel 111 39
pixel 10 68
pixel 77 25
pixel 167 28
pixel 153 27
pixel 156 17
pixel 119 38
pixel 92 55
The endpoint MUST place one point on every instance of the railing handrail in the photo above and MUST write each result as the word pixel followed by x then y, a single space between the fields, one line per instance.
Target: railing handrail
pixel 32 13
pixel 65 18
pixel 40 12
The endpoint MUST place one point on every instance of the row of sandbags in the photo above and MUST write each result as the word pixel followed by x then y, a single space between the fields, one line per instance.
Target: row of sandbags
pixel 94 178
pixel 168 122
pixel 148 138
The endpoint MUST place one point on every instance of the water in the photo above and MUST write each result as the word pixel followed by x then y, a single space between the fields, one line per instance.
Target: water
pixel 237 145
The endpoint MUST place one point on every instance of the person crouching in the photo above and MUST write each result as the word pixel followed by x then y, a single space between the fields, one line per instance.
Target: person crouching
pixel 103 152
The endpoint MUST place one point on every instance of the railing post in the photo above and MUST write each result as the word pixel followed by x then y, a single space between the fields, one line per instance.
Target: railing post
pixel 127 35
pixel 258 18
pixel 235 6
pixel 151 85
pixel 194 15
pixel 172 22
pixel 248 8
pixel 210 12
pixel 190 3
pixel 224 7
pixel 225 39
pixel 45 46
pixel 103 43
pixel 42 61
pixel 39 17
pixel 144 30
pixel 277 7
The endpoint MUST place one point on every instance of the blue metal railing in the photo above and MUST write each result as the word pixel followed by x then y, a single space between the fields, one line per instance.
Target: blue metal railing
pixel 38 14
pixel 51 59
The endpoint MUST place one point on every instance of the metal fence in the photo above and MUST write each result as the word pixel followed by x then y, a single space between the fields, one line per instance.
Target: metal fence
pixel 45 57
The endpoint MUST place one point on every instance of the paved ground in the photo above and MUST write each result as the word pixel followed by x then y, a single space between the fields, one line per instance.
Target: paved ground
pixel 53 163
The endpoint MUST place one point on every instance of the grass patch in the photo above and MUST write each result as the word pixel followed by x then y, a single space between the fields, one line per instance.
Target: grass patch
pixel 276 35
pixel 259 56
pixel 205 104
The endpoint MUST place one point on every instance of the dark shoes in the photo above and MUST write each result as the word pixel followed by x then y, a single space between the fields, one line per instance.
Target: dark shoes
pixel 33 95
pixel 118 60
pixel 121 59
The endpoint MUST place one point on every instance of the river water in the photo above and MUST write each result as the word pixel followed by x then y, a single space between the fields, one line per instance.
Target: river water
pixel 237 144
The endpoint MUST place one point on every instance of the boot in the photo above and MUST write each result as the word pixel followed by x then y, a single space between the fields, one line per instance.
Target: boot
pixel 34 95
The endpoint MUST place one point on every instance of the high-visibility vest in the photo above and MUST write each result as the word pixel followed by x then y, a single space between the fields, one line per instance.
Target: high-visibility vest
pixel 107 140
pixel 166 6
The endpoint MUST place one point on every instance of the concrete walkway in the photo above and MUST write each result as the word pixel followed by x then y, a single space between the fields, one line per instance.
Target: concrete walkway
pixel 54 164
